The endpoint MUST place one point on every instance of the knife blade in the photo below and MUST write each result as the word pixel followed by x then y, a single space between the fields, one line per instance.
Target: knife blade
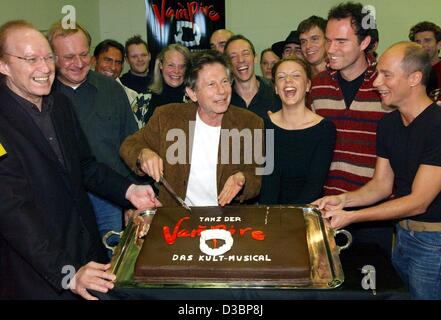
pixel 173 193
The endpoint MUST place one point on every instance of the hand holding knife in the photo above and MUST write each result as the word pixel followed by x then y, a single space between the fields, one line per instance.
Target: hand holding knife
pixel 173 193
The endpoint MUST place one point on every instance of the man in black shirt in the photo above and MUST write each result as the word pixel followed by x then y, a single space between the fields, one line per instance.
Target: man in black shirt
pixel 138 57
pixel 46 219
pixel 408 164
pixel 249 91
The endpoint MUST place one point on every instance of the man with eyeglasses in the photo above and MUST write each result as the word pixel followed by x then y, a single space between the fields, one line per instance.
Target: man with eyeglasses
pixel 49 242
pixel 101 106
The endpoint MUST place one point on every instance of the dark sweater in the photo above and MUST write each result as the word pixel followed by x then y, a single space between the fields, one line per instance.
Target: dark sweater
pixel 137 83
pixel 301 163
pixel 265 100
pixel 168 95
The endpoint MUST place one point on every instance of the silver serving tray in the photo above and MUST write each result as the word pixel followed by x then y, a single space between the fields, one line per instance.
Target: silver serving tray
pixel 326 269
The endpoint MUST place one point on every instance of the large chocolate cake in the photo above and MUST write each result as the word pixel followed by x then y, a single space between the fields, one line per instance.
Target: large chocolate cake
pixel 265 244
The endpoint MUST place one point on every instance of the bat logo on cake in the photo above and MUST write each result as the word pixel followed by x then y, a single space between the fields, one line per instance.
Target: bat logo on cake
pixel 215 234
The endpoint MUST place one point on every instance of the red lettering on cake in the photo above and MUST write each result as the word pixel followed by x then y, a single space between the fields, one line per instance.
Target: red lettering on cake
pixel 242 231
pixel 197 232
pixel 183 233
pixel 258 235
pixel 170 239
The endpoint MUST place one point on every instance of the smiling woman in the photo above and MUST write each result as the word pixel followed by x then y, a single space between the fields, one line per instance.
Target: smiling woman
pixel 303 140
pixel 267 60
pixel 168 80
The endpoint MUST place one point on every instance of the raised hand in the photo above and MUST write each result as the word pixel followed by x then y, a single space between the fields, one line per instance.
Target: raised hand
pixel 231 188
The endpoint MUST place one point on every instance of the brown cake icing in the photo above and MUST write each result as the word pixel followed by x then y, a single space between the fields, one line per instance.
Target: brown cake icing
pixel 269 245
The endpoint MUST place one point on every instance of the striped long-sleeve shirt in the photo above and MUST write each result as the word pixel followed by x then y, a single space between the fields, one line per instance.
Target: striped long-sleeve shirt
pixel 354 156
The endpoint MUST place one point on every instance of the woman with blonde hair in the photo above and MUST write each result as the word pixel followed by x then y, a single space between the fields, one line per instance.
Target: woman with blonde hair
pixel 168 82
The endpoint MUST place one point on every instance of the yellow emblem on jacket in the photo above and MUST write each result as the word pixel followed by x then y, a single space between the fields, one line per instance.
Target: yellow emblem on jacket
pixel 2 150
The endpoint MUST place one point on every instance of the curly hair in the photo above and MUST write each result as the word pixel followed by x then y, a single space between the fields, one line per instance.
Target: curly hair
pixel 357 14
pixel 425 26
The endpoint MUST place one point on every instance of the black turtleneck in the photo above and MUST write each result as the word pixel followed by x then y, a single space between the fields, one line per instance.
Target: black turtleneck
pixel 137 83
pixel 168 95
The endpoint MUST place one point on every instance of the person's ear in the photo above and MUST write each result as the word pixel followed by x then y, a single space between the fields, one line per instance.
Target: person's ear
pixel 93 62
pixel 191 93
pixel 4 68
pixel 365 43
pixel 438 46
pixel 415 78
pixel 308 86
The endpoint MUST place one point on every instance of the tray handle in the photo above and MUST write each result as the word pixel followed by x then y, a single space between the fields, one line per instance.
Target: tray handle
pixel 107 236
pixel 348 236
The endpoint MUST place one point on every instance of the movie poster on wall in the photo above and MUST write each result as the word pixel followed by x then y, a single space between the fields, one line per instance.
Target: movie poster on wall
pixel 189 23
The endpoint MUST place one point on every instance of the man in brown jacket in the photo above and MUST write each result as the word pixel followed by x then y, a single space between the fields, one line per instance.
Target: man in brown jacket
pixel 209 146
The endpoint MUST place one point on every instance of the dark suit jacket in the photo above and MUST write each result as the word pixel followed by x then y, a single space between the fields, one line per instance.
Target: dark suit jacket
pixel 46 219
pixel 178 116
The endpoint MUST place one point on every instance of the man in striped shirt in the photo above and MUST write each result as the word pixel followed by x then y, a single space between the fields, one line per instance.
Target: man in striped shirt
pixel 345 94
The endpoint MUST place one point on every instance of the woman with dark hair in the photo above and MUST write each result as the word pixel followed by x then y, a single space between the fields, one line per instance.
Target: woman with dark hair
pixel 303 141
pixel 267 60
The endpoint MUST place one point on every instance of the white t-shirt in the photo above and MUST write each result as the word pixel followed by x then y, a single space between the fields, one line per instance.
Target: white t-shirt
pixel 202 182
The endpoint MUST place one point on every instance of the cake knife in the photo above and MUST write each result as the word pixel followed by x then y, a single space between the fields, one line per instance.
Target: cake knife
pixel 173 193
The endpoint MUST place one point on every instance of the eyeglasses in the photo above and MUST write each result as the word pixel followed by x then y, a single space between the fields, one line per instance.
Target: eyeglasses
pixel 51 58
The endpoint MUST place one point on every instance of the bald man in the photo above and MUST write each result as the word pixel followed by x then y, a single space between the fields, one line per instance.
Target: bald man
pixel 408 164
pixel 49 242
pixel 219 38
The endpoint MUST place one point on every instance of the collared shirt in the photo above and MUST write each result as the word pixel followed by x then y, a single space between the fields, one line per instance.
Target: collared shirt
pixel 265 100
pixel 105 116
pixel 43 120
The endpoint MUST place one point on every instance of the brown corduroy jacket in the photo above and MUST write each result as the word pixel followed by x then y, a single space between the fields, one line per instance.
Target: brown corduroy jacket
pixel 179 117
